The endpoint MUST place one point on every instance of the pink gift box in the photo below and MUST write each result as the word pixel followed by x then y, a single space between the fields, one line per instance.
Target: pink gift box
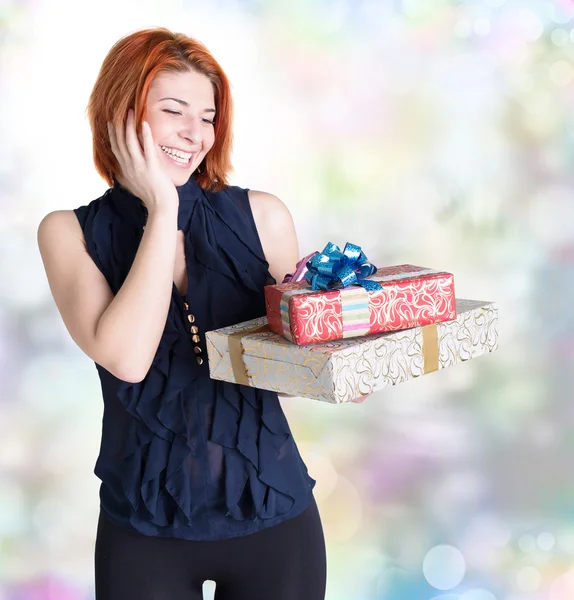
pixel 411 296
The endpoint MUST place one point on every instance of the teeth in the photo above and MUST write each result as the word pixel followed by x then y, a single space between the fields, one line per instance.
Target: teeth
pixel 184 156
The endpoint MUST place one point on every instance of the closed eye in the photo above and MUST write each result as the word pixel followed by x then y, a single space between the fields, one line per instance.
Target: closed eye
pixel 175 112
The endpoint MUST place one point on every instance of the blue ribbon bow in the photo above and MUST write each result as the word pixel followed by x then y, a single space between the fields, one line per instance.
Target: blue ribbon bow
pixel 332 269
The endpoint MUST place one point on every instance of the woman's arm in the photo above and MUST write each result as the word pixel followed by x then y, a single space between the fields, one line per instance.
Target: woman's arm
pixel 279 240
pixel 277 234
pixel 122 332
pixel 110 329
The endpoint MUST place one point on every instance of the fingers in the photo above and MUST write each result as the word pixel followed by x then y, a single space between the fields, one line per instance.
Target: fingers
pixel 120 142
pixel 113 141
pixel 132 142
pixel 117 145
pixel 115 148
pixel 148 144
pixel 125 145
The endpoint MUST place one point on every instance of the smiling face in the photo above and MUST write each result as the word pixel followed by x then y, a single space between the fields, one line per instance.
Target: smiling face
pixel 180 110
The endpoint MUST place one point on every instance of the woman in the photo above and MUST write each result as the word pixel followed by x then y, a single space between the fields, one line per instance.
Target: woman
pixel 201 479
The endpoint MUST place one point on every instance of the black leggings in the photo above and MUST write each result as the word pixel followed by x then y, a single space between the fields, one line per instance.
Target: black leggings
pixel 283 562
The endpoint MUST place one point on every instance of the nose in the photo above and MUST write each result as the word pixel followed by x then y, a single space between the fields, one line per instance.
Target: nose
pixel 192 130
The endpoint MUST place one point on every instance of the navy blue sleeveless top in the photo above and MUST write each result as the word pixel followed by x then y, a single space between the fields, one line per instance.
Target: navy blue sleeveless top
pixel 183 455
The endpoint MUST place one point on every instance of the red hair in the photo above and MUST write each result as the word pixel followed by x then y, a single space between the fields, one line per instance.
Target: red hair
pixel 124 81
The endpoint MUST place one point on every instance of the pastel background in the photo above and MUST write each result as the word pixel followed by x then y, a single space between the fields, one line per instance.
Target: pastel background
pixel 437 132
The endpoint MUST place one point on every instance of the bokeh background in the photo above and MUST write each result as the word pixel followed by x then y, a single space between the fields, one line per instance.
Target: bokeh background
pixel 436 132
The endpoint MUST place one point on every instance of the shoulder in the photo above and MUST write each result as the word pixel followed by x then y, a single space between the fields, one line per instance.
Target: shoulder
pixel 58 223
pixel 276 231
pixel 270 214
pixel 268 210
pixel 70 223
pixel 55 218
pixel 60 239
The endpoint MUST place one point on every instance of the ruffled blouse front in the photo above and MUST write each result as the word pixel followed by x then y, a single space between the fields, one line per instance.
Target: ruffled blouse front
pixel 183 455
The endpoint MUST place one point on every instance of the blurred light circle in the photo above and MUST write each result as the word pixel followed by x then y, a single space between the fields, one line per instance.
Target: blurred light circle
pixel 528 579
pixel 530 25
pixel 478 594
pixel 546 541
pixel 566 541
pixel 559 37
pixel 387 578
pixel 561 73
pixel 527 543
pixel 482 26
pixel 321 465
pixel 463 28
pixel 561 14
pixel 444 567
pixel 419 9
pixel 343 515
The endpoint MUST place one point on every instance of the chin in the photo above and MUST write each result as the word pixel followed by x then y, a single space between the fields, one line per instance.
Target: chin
pixel 180 180
pixel 180 175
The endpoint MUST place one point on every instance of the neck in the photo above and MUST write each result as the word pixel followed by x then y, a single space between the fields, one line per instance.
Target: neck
pixel 188 194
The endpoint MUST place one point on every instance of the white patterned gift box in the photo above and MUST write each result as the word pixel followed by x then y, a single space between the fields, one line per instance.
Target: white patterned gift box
pixel 339 371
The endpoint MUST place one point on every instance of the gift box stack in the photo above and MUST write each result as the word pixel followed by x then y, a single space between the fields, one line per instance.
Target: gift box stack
pixel 339 328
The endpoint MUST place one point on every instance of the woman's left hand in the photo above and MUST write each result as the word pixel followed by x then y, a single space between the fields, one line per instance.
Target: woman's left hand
pixel 361 398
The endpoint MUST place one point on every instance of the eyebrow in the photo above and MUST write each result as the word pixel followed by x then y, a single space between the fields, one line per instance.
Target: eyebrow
pixel 184 103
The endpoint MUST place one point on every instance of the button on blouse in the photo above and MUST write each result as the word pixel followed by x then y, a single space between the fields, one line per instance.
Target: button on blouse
pixel 194 330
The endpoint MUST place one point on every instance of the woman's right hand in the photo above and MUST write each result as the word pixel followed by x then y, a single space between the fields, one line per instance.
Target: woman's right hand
pixel 142 173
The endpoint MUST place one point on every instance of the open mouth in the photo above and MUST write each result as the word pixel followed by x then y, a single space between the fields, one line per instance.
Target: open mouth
pixel 181 159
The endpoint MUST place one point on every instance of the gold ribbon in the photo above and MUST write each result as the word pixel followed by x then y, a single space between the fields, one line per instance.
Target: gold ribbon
pixel 430 348
pixel 236 353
